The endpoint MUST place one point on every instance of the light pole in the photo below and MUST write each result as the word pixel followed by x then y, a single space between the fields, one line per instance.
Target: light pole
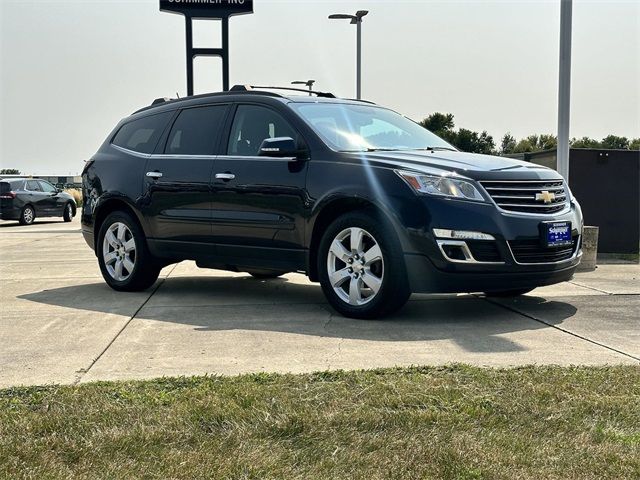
pixel 357 21
pixel 564 89
pixel 308 83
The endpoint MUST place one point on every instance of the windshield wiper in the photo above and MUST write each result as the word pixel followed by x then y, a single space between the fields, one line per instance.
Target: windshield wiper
pixel 433 149
pixel 370 149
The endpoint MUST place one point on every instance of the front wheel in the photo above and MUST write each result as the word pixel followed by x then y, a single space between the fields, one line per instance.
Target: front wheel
pixel 125 261
pixel 67 215
pixel 508 293
pixel 361 266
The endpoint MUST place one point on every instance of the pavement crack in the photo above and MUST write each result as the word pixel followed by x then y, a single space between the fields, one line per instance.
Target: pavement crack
pixel 83 371
pixel 329 320
pixel 590 288
pixel 581 337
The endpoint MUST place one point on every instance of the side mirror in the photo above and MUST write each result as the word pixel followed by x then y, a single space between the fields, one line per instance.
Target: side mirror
pixel 279 147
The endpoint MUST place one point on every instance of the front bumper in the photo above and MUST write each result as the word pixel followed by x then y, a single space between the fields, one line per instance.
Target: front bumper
pixel 430 271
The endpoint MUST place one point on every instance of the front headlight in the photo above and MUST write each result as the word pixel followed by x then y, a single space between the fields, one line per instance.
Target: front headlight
pixel 445 186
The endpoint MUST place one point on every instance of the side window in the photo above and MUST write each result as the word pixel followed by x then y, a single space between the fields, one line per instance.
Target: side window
pixel 195 131
pixel 142 135
pixel 47 187
pixel 33 186
pixel 251 125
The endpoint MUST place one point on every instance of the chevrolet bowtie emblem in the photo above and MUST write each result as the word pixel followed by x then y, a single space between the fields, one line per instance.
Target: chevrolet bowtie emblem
pixel 545 196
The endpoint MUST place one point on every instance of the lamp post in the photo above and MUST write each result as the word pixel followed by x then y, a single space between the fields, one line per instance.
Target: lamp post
pixel 308 83
pixel 357 21
pixel 564 89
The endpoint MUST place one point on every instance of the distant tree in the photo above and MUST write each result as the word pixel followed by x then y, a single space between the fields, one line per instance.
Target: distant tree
pixel 508 144
pixel 535 143
pixel 634 144
pixel 9 171
pixel 615 142
pixel 584 142
pixel 438 122
pixel 469 141
pixel 442 124
pixel 547 142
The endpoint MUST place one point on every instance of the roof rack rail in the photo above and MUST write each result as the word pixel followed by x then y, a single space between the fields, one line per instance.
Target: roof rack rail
pixel 160 100
pixel 248 88
pixel 361 100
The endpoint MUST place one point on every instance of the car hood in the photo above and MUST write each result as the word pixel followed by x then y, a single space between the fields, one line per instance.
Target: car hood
pixel 472 165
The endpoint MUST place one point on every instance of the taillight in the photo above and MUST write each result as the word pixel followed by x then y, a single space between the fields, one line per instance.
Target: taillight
pixel 8 195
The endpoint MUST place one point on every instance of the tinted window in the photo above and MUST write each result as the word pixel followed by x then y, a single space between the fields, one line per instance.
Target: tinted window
pixel 47 187
pixel 251 125
pixel 10 185
pixel 142 135
pixel 196 131
pixel 33 186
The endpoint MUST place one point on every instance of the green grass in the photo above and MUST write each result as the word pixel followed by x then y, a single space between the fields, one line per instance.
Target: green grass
pixel 448 422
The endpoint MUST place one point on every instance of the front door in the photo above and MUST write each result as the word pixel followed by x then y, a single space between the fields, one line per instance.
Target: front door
pixel 259 202
pixel 177 201
pixel 55 204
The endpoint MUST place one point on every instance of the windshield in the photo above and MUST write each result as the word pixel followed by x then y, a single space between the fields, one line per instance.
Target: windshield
pixel 361 128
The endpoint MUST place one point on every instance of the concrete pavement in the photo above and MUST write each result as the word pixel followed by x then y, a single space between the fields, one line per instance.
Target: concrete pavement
pixel 60 323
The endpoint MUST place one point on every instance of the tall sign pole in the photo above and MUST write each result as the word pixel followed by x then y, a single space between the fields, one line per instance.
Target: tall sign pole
pixel 212 9
pixel 564 89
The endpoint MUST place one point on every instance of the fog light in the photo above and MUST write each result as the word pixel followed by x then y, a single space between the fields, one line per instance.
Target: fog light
pixel 461 234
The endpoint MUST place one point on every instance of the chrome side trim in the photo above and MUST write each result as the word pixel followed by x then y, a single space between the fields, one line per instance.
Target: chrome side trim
pixel 131 152
pixel 465 250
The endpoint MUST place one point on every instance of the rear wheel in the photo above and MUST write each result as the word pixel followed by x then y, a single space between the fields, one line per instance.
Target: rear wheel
pixel 361 266
pixel 68 212
pixel 509 293
pixel 27 216
pixel 125 261
pixel 265 274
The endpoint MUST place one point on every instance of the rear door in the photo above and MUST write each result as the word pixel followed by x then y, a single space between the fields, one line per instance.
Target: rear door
pixel 36 197
pixel 177 183
pixel 259 202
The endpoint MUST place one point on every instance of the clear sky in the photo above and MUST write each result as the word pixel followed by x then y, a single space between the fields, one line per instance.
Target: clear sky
pixel 71 69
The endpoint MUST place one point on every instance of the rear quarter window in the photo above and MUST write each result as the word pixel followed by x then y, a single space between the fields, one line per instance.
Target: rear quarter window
pixel 10 185
pixel 142 135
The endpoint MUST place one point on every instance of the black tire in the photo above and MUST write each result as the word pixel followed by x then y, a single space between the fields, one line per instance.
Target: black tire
pixel 67 215
pixel 394 289
pixel 508 293
pixel 265 274
pixel 27 215
pixel 145 269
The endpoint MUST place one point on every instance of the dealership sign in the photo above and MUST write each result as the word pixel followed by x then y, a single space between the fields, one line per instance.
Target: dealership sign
pixel 207 8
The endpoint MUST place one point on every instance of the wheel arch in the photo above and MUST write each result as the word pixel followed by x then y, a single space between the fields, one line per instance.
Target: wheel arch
pixel 109 206
pixel 335 208
pixel 73 206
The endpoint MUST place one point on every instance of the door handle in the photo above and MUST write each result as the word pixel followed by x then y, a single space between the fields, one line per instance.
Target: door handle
pixel 225 176
pixel 154 174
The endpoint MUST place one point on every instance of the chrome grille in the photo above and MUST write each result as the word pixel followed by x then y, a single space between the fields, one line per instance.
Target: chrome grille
pixel 532 251
pixel 520 195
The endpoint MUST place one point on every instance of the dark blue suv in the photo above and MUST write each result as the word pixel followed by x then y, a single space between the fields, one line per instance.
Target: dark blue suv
pixel 354 195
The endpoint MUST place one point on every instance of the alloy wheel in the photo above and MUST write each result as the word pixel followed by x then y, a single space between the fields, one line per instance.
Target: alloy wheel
pixel 28 215
pixel 119 251
pixel 355 266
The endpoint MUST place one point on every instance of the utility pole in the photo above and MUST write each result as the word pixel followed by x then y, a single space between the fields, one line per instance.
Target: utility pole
pixel 564 89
